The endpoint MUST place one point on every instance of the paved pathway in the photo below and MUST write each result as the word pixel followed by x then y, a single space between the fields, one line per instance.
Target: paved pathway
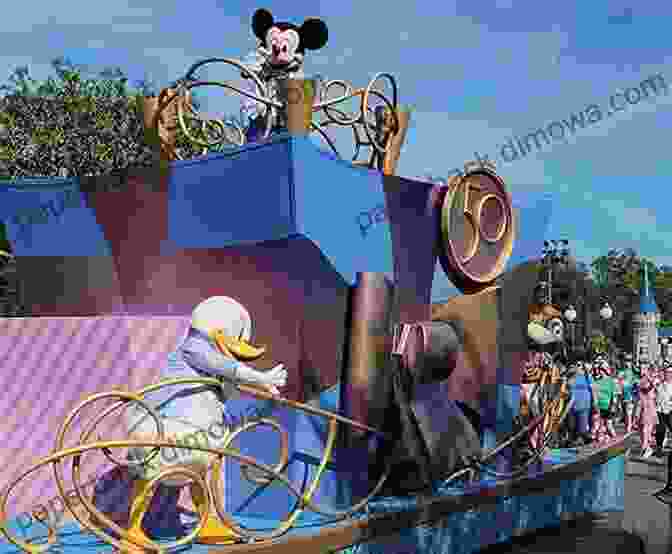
pixel 645 515
pixel 646 522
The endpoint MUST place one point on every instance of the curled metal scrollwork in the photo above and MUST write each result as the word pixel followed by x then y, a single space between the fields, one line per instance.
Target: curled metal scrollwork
pixel 263 474
pixel 97 521
pixel 372 125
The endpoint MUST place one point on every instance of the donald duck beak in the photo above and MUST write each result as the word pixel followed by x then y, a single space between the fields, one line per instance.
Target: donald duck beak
pixel 238 348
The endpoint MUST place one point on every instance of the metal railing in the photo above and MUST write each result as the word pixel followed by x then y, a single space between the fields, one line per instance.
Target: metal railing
pixel 377 123
pixel 96 521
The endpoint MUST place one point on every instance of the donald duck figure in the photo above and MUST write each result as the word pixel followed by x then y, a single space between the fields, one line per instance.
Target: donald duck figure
pixel 216 345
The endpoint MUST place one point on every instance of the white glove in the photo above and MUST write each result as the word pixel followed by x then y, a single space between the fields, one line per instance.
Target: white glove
pixel 274 378
pixel 271 380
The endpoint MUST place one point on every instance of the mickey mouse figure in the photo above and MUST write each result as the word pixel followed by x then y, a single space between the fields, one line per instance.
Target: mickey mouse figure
pixel 283 44
pixel 280 55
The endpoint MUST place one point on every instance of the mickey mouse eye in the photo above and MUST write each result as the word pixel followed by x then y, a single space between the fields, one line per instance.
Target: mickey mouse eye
pixel 293 40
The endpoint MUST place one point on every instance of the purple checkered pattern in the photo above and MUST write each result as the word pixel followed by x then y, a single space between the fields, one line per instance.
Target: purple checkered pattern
pixel 49 365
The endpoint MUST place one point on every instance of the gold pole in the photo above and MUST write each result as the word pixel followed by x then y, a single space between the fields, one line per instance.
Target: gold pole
pixel 396 142
pixel 160 122
pixel 298 95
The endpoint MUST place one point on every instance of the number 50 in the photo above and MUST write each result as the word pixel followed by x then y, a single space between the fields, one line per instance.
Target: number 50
pixel 467 202
pixel 475 218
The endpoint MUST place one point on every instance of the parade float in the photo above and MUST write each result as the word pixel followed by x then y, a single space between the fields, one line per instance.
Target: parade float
pixel 392 426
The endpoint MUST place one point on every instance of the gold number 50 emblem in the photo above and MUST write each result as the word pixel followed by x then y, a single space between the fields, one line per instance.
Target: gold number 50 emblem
pixel 477 230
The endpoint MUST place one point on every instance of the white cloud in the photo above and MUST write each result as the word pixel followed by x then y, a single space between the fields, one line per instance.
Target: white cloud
pixel 24 16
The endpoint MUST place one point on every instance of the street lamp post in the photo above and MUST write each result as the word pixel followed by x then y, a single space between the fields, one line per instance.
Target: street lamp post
pixel 606 313
pixel 664 342
pixel 570 315
pixel 555 252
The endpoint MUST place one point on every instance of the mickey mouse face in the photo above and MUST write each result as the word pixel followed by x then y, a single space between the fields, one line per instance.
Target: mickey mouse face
pixel 283 45
pixel 286 42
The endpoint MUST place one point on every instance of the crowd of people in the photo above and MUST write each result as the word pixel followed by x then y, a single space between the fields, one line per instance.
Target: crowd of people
pixel 638 395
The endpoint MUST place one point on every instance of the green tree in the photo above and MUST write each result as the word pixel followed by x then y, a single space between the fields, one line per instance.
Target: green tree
pixel 600 344
pixel 601 271
pixel 633 277
pixel 77 120
pixel 618 274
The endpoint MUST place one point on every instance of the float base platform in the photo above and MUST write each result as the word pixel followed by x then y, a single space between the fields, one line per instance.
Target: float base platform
pixel 458 520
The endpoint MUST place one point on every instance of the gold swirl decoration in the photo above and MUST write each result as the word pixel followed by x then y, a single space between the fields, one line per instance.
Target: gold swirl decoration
pixel 379 126
pixel 268 473
pixel 552 417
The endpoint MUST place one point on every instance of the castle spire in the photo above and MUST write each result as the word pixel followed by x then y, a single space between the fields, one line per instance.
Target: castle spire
pixel 647 302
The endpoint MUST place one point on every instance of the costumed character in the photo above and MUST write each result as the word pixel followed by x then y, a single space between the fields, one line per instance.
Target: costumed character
pixel 605 395
pixel 541 375
pixel 648 413
pixel 279 55
pixel 216 345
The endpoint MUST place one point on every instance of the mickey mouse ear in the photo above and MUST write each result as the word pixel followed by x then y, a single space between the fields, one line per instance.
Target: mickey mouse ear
pixel 262 21
pixel 314 34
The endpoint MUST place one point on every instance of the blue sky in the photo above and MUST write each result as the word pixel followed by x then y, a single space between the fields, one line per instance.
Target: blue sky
pixel 476 72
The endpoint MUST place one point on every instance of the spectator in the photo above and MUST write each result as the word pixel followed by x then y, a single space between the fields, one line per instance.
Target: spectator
pixel 637 373
pixel 604 389
pixel 648 413
pixel 664 408
pixel 628 380
pixel 581 389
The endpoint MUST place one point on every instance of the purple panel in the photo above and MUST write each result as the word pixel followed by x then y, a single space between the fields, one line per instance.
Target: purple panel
pixel 69 285
pixel 297 300
pixel 414 225
pixel 48 365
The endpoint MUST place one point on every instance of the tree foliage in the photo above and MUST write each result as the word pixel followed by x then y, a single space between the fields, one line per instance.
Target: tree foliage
pixel 619 275
pixel 601 271
pixel 69 124
pixel 601 344
pixel 614 277
pixel 75 122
